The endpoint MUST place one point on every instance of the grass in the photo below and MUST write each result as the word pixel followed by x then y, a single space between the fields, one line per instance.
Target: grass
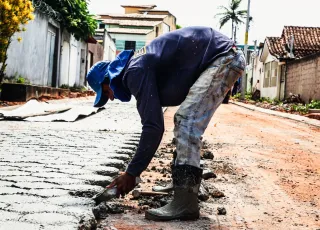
pixel 293 107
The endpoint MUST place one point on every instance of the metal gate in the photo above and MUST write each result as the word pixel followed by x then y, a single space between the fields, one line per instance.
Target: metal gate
pixel 51 41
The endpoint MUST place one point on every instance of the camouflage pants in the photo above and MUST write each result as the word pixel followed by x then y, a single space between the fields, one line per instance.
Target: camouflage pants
pixel 204 97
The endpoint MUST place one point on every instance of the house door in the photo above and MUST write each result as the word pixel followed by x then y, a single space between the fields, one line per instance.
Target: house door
pixel 73 65
pixel 51 41
pixel 82 67
pixel 65 60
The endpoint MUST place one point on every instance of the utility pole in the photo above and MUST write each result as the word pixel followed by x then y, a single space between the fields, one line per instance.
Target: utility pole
pixel 244 76
pixel 253 62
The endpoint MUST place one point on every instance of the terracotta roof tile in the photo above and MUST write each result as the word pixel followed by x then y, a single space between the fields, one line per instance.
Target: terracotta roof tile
pixel 306 40
pixel 276 47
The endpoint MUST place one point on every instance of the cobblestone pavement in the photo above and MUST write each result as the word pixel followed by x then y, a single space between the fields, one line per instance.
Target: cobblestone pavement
pixel 49 171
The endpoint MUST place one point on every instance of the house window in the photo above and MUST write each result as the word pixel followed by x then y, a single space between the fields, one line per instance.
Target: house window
pixel 267 74
pixel 101 26
pixel 130 45
pixel 271 72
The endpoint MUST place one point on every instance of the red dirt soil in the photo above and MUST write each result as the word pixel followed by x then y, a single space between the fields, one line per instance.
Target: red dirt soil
pixel 267 167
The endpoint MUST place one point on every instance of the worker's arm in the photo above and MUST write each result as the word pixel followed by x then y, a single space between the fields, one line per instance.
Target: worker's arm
pixel 150 110
pixel 142 84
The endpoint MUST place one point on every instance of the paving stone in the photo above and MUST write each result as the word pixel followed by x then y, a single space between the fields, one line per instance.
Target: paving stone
pixel 26 179
pixel 12 190
pixel 18 225
pixel 104 170
pixel 5 216
pixel 60 227
pixel 76 211
pixel 95 179
pixel 23 165
pixel 49 219
pixel 70 201
pixel 7 174
pixel 50 175
pixel 60 167
pixel 65 181
pixel 79 171
pixel 19 199
pixel 48 192
pixel 32 208
pixel 41 169
pixel 38 185
pixel 5 183
pixel 5 168
pixel 3 206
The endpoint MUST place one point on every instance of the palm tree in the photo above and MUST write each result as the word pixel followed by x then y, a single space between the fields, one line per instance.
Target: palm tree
pixel 232 13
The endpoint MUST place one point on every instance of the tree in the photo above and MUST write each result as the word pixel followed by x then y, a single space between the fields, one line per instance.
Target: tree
pixel 232 13
pixel 178 26
pixel 13 15
pixel 75 17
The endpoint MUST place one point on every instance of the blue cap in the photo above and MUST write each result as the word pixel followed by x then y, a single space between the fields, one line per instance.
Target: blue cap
pixel 111 72
pixel 95 77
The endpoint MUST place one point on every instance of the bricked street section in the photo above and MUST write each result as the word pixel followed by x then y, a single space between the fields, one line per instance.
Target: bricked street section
pixel 49 171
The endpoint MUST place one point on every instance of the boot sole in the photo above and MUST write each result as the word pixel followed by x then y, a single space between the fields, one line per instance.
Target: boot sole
pixel 193 216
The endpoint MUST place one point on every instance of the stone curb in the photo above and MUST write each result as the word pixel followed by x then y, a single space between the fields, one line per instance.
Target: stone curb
pixel 294 117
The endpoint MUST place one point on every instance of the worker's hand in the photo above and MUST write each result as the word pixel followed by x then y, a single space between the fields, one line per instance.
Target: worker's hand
pixel 124 183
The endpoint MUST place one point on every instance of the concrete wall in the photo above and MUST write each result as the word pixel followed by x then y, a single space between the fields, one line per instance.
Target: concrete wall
pixel 303 77
pixel 110 49
pixel 97 52
pixel 132 10
pixel 29 59
pixel 171 21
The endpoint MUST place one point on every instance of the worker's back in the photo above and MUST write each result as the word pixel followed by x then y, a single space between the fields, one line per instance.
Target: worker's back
pixel 178 58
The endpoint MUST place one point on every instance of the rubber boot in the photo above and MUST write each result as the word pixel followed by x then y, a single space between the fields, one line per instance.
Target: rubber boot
pixel 184 206
pixel 168 187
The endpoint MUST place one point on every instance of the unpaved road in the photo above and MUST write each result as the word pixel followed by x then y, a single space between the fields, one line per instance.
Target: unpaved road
pixel 267 167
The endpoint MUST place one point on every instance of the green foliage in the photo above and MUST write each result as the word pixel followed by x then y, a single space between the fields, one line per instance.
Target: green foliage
pixel 300 108
pixel 314 104
pixel 178 26
pixel 21 80
pixel 77 88
pixel 16 79
pixel 64 86
pixel 265 99
pixel 237 96
pixel 248 96
pixel 75 17
pixel 74 88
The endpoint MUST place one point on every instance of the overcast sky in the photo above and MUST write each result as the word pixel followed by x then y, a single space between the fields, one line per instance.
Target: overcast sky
pixel 269 15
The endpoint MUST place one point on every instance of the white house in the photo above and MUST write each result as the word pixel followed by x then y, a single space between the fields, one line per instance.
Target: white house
pixel 47 55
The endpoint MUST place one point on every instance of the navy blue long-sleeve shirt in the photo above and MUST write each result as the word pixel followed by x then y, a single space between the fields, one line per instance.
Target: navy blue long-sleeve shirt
pixel 161 74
